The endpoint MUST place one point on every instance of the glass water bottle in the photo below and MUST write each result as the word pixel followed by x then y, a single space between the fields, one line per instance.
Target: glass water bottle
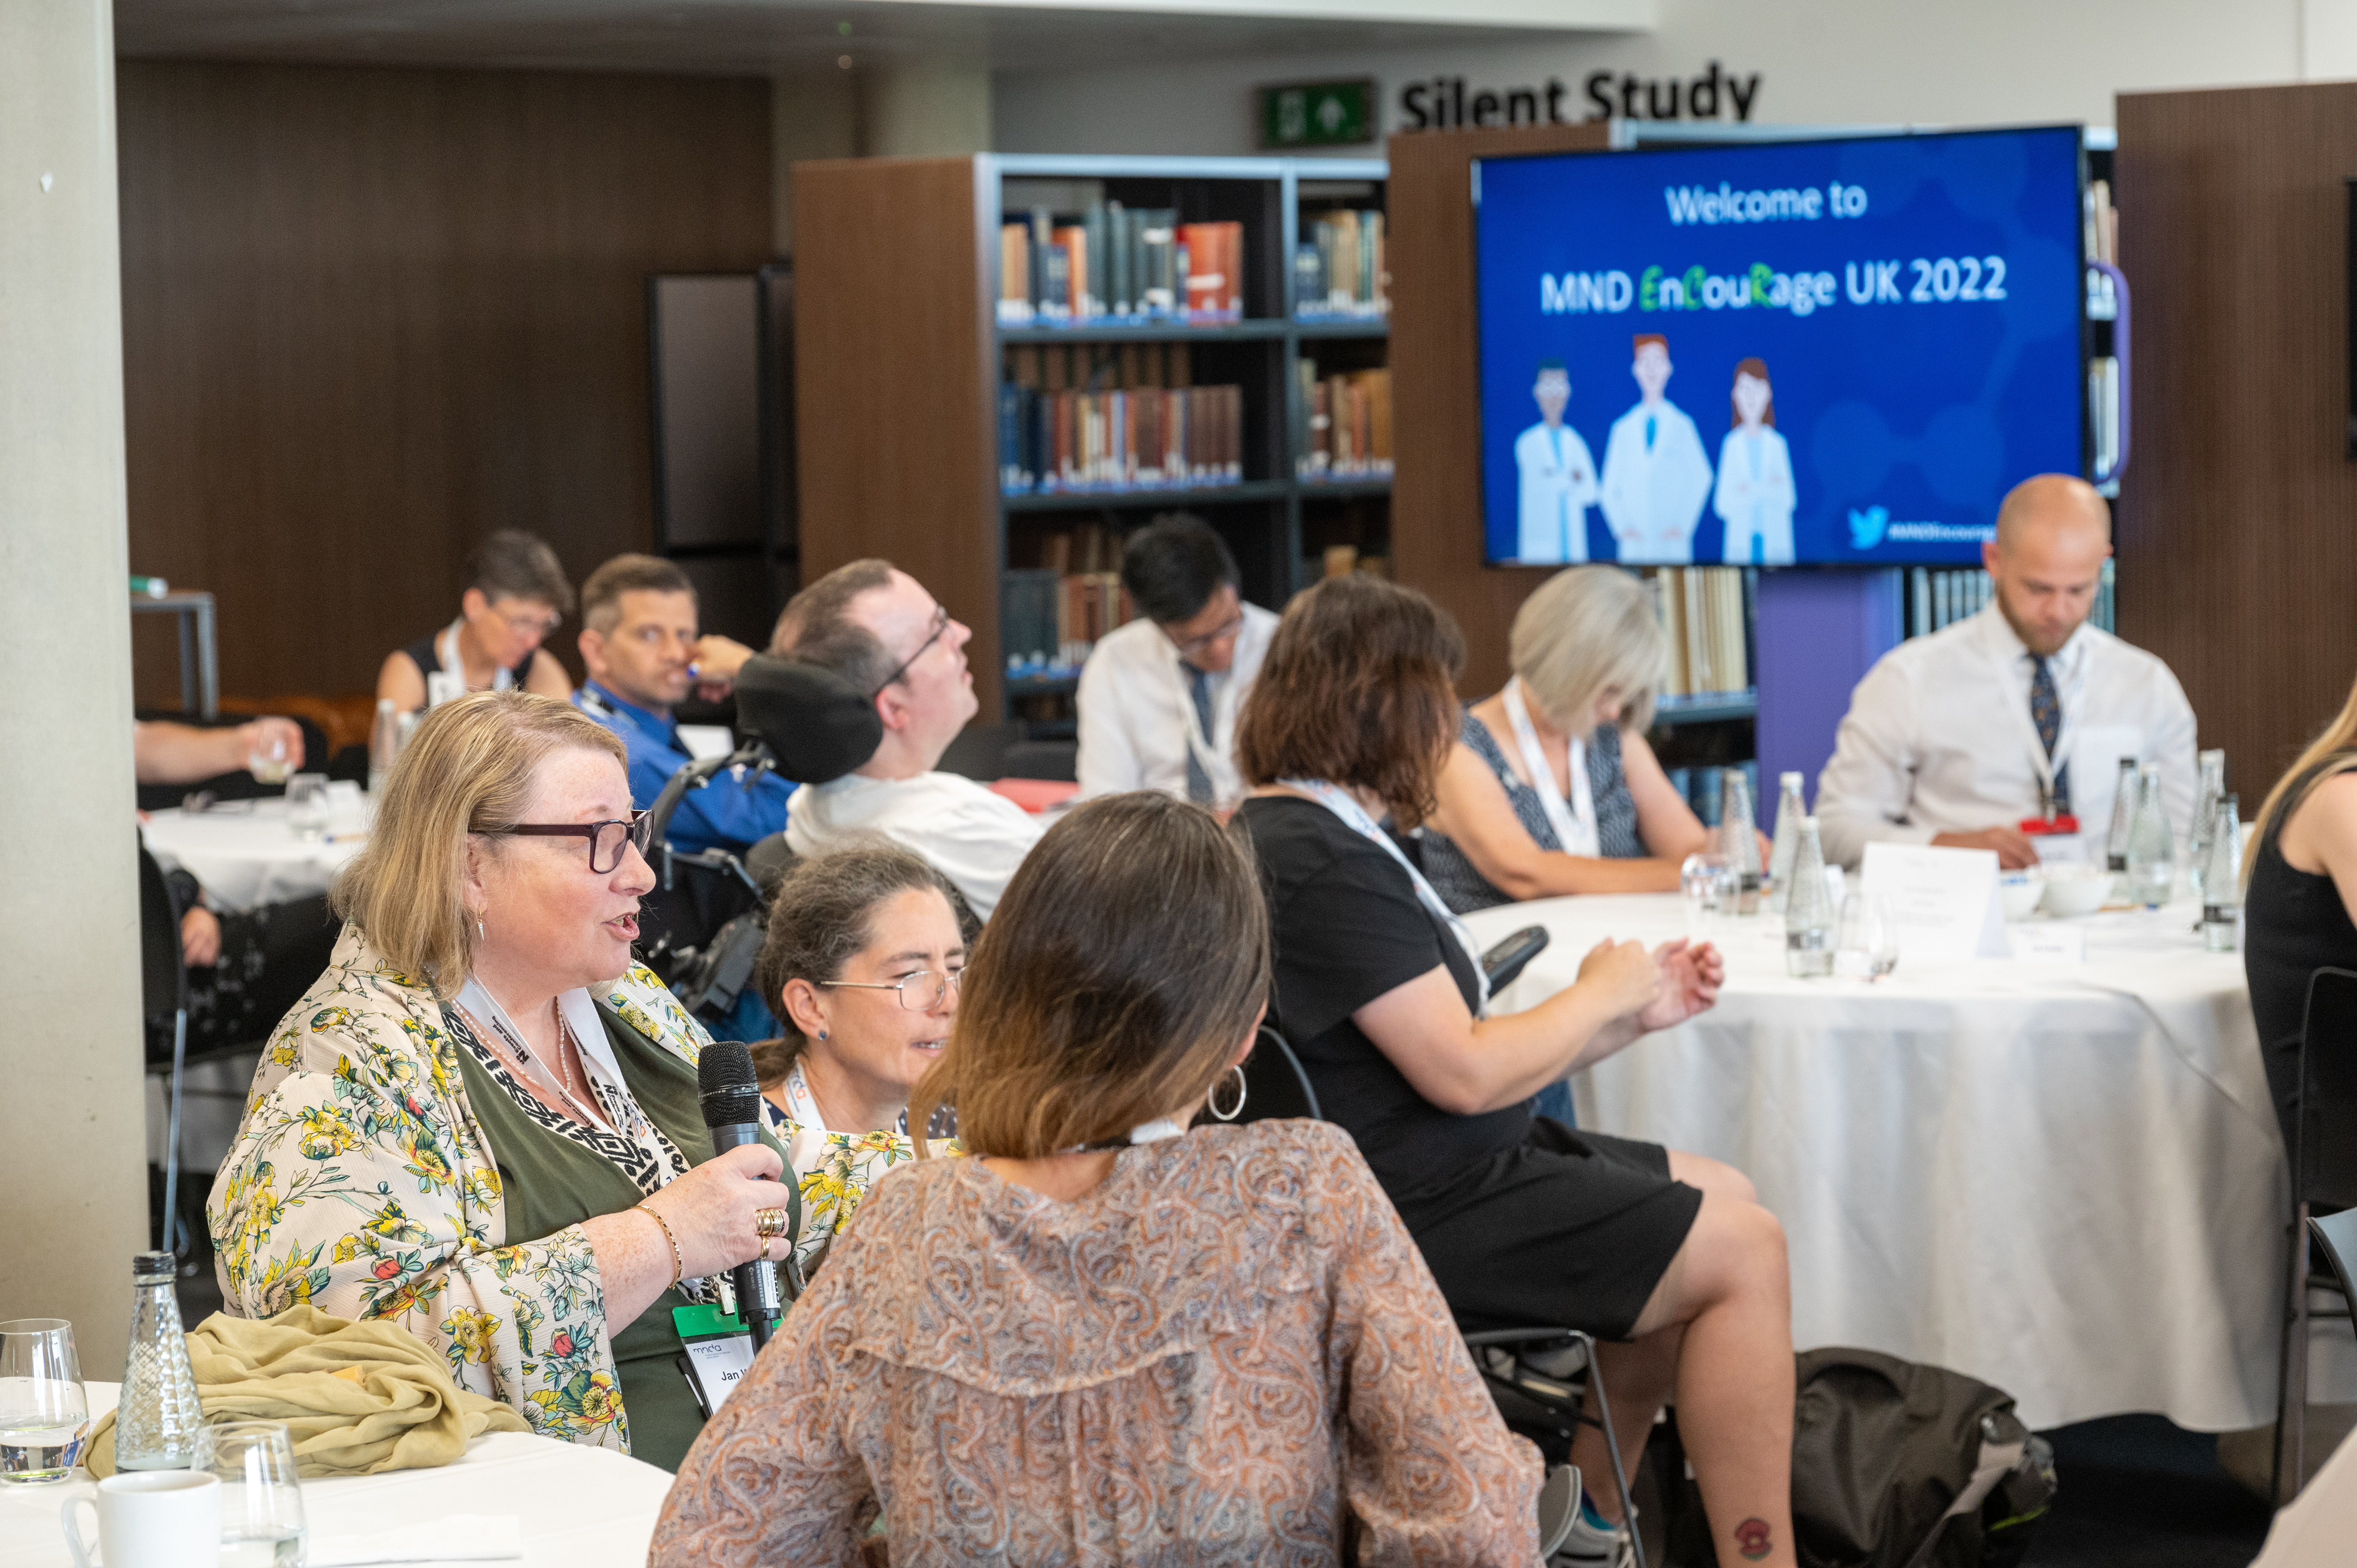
pixel 2115 842
pixel 2203 830
pixel 2222 882
pixel 1789 813
pixel 2152 844
pixel 158 1423
pixel 1808 907
pixel 1739 840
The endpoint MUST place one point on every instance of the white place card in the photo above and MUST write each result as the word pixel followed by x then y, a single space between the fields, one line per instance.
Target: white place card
pixel 2047 942
pixel 1944 900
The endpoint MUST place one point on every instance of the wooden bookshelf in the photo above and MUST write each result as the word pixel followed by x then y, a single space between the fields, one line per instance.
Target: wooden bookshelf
pixel 900 355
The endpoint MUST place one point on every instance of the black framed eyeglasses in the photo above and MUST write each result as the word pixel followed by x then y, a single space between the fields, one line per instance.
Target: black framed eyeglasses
pixel 607 839
pixel 941 625
pixel 920 992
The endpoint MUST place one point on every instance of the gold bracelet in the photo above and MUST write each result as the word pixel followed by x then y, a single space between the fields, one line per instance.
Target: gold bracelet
pixel 678 1262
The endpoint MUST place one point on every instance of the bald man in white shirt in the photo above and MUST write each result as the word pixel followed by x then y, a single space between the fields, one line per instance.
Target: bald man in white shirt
pixel 1960 738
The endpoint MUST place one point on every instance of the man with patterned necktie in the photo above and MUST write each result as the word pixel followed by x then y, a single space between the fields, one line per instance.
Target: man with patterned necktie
pixel 1159 696
pixel 1961 738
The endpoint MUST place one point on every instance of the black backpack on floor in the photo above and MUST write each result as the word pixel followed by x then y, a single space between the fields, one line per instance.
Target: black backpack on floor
pixel 1901 1465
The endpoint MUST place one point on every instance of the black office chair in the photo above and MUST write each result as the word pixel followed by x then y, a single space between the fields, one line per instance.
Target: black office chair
pixel 164 992
pixel 1532 1387
pixel 2323 1158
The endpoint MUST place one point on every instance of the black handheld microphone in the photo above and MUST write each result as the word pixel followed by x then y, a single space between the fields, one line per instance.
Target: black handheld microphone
pixel 731 1097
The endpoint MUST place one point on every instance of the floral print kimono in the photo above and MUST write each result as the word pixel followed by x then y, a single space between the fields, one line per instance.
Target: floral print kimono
pixel 834 1170
pixel 361 1183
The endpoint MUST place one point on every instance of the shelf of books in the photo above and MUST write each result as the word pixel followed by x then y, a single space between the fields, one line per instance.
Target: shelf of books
pixel 1703 718
pixel 1198 334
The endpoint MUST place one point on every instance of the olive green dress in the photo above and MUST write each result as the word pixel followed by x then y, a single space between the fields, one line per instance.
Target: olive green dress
pixel 551 1182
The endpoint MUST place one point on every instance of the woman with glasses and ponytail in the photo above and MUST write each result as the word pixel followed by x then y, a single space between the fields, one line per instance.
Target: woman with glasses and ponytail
pixel 862 964
pixel 482 1124
pixel 1109 1332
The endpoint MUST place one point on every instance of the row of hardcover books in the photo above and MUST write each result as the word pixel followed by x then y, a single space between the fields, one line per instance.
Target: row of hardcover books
pixel 1349 419
pixel 1340 268
pixel 1048 620
pixel 1701 609
pixel 1142 439
pixel 1119 264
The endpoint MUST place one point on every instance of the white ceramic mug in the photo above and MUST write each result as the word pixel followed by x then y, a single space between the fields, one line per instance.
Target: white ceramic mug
pixel 150 1518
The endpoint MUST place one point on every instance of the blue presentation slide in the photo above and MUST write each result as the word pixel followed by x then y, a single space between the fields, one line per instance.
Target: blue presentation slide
pixel 1837 351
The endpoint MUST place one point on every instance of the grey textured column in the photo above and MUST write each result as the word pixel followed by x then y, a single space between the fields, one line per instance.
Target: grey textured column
pixel 73 1196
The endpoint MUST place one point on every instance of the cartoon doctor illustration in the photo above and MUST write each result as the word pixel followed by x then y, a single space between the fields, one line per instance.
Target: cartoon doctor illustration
pixel 1558 477
pixel 1656 475
pixel 1754 497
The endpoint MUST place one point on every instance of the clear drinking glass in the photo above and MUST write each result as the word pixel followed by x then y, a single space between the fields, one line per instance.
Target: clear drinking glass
pixel 266 760
pixel 1868 948
pixel 44 1415
pixel 307 806
pixel 262 1502
pixel 1711 887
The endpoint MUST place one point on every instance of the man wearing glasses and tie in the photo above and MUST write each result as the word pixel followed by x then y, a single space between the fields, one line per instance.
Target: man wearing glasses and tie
pixel 877 628
pixel 1159 696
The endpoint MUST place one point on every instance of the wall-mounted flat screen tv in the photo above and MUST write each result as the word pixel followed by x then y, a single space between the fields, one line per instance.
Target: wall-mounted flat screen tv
pixel 1838 352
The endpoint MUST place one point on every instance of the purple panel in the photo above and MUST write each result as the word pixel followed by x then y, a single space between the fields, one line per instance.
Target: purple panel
pixel 1817 634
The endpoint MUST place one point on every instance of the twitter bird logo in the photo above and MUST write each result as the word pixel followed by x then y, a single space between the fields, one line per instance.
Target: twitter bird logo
pixel 1866 527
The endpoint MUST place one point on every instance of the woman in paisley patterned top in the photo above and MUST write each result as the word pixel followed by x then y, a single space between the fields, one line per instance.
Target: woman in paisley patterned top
pixel 1104 1337
pixel 1589 654
pixel 861 964
pixel 470 1127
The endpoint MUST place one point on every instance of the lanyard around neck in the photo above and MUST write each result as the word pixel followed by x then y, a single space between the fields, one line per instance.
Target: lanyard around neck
pixel 801 1105
pixel 446 649
pixel 1354 816
pixel 579 1015
pixel 2041 766
pixel 1574 824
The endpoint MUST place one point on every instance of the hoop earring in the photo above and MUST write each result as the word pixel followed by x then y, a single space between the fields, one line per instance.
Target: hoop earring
pixel 1229 1114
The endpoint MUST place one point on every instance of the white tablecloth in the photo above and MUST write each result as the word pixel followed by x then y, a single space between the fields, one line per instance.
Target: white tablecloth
pixel 578 1508
pixel 2064 1179
pixel 245 856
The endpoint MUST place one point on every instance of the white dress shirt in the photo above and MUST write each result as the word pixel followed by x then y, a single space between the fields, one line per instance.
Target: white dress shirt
pixel 1137 722
pixel 972 836
pixel 1939 737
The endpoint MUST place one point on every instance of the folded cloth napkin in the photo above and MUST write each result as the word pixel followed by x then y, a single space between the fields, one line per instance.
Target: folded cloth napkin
pixel 458 1538
pixel 357 1397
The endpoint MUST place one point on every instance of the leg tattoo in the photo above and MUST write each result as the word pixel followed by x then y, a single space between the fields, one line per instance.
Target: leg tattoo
pixel 1751 1538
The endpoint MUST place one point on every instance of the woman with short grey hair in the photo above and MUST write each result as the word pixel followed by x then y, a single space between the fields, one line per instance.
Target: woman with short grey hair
pixel 1551 787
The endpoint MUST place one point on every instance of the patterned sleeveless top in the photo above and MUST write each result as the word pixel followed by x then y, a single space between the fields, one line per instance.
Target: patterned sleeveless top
pixel 1465 889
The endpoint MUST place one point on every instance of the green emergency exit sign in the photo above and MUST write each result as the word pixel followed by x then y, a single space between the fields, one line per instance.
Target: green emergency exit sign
pixel 1317 114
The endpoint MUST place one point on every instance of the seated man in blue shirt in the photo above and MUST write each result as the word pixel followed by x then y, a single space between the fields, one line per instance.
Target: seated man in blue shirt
pixel 638 640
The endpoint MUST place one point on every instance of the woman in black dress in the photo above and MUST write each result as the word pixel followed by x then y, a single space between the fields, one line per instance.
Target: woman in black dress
pixel 516 596
pixel 2302 884
pixel 1522 1220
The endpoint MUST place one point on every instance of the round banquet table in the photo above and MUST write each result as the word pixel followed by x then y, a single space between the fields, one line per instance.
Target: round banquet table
pixel 245 856
pixel 2065 1179
pixel 574 1506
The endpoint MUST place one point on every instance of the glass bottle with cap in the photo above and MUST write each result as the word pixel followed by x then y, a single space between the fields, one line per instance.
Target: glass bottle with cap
pixel 1739 840
pixel 158 1423
pixel 2115 842
pixel 2222 882
pixel 1789 813
pixel 2207 797
pixel 1808 907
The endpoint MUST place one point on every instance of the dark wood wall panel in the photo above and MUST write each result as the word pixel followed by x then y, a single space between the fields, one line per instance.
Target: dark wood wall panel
pixel 371 314
pixel 2237 518
pixel 888 277
pixel 1436 385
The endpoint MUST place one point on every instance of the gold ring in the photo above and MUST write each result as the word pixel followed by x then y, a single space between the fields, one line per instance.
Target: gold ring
pixel 769 1224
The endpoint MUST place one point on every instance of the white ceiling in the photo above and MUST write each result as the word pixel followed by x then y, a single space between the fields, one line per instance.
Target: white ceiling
pixel 758 37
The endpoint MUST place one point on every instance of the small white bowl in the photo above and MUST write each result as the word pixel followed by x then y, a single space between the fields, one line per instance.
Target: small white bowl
pixel 2020 891
pixel 2076 890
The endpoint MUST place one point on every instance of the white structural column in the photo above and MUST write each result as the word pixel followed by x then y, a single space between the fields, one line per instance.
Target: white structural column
pixel 73 1192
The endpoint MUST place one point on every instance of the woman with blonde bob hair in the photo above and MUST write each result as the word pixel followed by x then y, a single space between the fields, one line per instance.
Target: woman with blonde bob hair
pixel 1103 1332
pixel 2300 892
pixel 481 1124
pixel 1551 787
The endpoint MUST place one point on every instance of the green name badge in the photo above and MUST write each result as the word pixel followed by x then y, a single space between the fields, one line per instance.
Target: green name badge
pixel 1317 114
pixel 719 1353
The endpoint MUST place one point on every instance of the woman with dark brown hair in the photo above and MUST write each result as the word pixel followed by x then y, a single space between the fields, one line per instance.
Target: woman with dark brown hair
pixel 1522 1220
pixel 1102 1334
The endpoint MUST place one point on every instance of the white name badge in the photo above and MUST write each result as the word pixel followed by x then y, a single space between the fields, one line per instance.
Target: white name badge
pixel 1944 901
pixel 2044 942
pixel 719 1353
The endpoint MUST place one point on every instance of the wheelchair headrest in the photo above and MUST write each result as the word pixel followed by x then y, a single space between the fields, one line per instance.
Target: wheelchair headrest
pixel 818 724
